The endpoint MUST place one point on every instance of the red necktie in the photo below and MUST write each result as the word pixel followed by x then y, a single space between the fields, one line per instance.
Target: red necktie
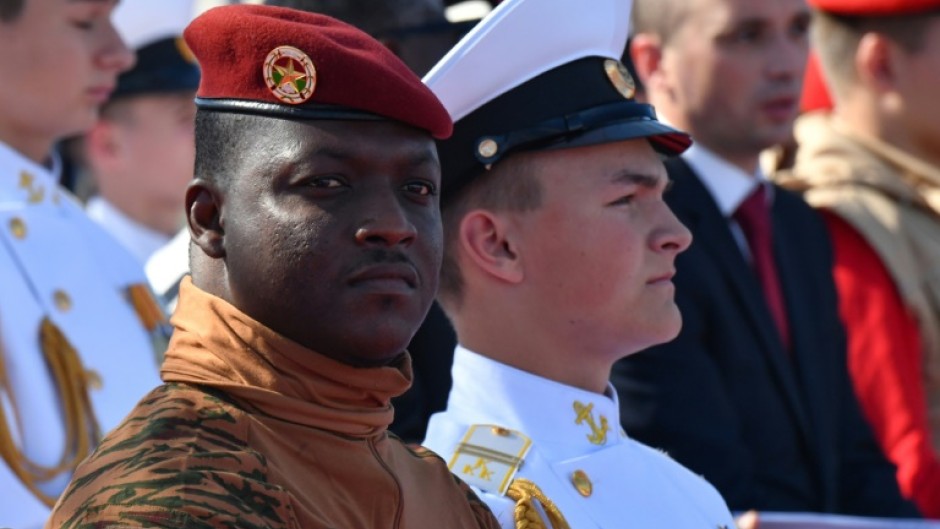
pixel 753 215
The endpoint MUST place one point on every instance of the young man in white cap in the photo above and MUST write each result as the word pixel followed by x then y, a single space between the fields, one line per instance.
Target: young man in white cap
pixel 77 321
pixel 558 262
pixel 140 152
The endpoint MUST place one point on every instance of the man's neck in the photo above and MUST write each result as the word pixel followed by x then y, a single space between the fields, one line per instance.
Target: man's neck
pixel 37 149
pixel 534 351
pixel 747 162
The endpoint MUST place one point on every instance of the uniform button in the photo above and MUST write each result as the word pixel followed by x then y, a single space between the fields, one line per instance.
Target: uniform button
pixel 62 300
pixel 18 228
pixel 488 148
pixel 500 431
pixel 582 483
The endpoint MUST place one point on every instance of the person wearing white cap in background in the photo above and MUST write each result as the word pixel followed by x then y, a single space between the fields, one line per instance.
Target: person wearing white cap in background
pixel 140 152
pixel 558 261
pixel 78 325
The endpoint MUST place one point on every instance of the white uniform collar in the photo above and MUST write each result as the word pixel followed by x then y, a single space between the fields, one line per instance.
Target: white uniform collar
pixel 140 240
pixel 489 392
pixel 38 186
pixel 728 184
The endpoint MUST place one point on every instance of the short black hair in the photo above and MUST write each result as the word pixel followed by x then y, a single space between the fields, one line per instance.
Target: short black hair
pixel 510 186
pixel 223 140
pixel 10 9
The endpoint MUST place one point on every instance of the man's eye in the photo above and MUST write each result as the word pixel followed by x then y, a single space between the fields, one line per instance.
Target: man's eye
pixel 747 35
pixel 327 182
pixel 800 28
pixel 421 188
pixel 624 200
pixel 86 25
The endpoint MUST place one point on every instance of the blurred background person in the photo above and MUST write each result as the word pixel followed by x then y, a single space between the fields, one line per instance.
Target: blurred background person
pixel 754 393
pixel 80 330
pixel 872 165
pixel 140 152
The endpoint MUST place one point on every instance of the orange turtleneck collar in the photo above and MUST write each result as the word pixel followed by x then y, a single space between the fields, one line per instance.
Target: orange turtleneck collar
pixel 216 345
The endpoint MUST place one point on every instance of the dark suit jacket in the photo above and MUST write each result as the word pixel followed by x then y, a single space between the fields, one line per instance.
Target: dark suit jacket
pixel 772 429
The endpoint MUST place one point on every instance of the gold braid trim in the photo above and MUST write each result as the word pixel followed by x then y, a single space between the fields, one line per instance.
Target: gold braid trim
pixel 525 493
pixel 147 308
pixel 81 427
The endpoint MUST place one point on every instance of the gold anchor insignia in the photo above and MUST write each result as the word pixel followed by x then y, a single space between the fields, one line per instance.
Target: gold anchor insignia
pixel 35 194
pixel 480 465
pixel 585 413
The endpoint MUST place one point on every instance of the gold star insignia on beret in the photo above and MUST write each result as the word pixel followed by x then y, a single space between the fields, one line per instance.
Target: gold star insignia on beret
pixel 290 75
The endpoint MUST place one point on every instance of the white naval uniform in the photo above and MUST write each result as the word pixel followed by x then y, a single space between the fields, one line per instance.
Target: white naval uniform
pixel 631 484
pixel 140 240
pixel 166 268
pixel 55 262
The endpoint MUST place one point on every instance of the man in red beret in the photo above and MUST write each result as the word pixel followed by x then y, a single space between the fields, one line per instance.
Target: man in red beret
pixel 872 166
pixel 316 243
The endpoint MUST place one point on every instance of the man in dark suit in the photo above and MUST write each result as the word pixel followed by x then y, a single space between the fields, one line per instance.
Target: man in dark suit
pixel 754 393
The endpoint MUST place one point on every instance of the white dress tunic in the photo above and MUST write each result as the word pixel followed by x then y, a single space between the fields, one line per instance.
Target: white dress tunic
pixel 578 455
pixel 58 265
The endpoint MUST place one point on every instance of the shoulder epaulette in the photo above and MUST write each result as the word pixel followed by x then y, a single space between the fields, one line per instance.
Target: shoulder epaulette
pixel 489 456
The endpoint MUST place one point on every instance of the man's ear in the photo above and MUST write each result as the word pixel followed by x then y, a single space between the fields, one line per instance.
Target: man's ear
pixel 204 215
pixel 875 59
pixel 646 52
pixel 484 240
pixel 103 145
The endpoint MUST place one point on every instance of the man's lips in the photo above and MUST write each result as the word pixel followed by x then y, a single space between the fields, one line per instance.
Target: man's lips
pixel 394 276
pixel 662 278
pixel 100 94
pixel 781 108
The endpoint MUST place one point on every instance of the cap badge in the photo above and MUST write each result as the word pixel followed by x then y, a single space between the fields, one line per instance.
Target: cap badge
pixel 619 77
pixel 290 75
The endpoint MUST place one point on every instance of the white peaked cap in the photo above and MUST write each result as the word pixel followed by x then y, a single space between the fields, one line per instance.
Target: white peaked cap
pixel 521 39
pixel 536 75
pixel 141 22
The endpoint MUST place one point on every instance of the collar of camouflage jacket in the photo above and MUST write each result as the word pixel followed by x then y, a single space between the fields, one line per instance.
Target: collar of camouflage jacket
pixel 216 345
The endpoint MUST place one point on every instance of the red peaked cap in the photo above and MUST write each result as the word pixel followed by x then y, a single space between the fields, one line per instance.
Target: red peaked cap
pixel 872 8
pixel 356 77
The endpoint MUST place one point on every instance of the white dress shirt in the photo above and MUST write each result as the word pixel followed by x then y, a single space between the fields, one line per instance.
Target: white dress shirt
pixel 728 185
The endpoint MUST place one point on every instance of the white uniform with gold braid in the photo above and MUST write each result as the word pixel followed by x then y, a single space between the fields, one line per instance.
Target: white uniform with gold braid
pixel 503 425
pixel 80 337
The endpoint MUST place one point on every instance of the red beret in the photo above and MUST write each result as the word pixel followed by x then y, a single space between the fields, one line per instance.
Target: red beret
pixel 815 91
pixel 300 65
pixel 872 8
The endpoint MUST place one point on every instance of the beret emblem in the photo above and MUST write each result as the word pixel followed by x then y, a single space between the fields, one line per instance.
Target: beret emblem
pixel 290 75
pixel 620 78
